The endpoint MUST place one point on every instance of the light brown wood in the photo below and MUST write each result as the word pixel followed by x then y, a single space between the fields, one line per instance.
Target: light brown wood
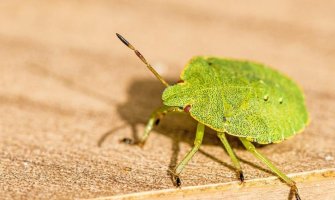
pixel 311 185
pixel 70 90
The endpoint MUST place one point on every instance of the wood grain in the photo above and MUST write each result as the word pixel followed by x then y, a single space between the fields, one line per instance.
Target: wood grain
pixel 310 184
pixel 70 90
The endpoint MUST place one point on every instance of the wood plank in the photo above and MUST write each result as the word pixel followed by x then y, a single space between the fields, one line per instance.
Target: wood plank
pixel 318 184
pixel 70 91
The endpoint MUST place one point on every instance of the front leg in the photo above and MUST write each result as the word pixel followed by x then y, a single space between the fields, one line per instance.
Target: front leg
pixel 154 120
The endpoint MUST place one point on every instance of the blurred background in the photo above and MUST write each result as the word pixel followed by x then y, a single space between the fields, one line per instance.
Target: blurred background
pixel 70 90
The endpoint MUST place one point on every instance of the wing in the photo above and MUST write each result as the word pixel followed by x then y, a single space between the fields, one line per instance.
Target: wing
pixel 242 98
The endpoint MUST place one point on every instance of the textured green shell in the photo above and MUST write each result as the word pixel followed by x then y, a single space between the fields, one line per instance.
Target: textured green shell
pixel 241 98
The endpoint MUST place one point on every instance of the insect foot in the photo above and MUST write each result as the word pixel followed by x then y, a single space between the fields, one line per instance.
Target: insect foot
pixel 140 144
pixel 127 141
pixel 294 189
pixel 177 181
pixel 241 177
pixel 132 142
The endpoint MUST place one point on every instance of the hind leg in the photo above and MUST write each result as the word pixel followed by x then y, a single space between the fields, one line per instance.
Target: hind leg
pixel 232 155
pixel 250 147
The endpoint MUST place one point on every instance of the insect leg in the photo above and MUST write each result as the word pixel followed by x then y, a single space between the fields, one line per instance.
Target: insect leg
pixel 250 147
pixel 232 155
pixel 197 142
pixel 155 118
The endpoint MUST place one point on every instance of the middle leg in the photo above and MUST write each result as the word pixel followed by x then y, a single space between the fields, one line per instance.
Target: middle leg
pixel 197 142
pixel 232 155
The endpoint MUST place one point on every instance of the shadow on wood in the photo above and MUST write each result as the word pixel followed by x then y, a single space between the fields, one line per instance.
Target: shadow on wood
pixel 144 96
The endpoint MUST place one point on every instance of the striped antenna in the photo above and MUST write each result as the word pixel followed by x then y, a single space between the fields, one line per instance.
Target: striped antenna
pixel 124 41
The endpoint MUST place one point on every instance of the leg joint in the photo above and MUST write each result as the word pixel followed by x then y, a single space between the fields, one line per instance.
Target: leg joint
pixel 248 145
pixel 220 134
pixel 197 143
pixel 251 148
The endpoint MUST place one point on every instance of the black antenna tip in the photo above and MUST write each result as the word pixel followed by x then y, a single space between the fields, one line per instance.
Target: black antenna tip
pixel 124 41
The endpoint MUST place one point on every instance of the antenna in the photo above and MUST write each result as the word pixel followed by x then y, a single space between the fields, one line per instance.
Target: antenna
pixel 124 41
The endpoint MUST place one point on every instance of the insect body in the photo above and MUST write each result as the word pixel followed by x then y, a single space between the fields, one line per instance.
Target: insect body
pixel 241 98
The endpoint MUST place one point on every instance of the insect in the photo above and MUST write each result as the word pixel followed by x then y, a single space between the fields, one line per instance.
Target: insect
pixel 240 98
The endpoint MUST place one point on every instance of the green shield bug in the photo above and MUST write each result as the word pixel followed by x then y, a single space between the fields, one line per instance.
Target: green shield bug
pixel 240 98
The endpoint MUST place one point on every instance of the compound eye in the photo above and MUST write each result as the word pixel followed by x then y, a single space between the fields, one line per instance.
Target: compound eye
pixel 187 108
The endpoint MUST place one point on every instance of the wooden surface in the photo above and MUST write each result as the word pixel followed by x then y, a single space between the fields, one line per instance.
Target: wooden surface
pixel 70 91
pixel 318 184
